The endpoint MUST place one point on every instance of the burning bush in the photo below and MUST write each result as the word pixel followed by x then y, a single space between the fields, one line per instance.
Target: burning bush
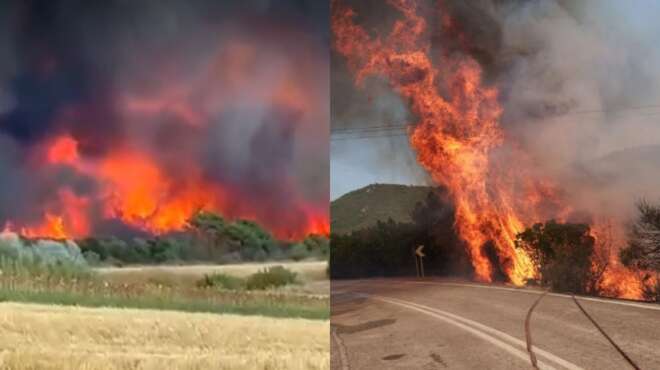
pixel 561 253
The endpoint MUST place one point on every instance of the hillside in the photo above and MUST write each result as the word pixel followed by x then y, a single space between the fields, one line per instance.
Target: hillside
pixel 363 207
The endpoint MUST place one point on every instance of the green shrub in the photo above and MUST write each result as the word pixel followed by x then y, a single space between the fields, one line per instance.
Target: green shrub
pixel 298 252
pixel 271 277
pixel 41 258
pixel 164 250
pixel 221 281
pixel 35 267
pixel 318 246
pixel 92 258
pixel 561 253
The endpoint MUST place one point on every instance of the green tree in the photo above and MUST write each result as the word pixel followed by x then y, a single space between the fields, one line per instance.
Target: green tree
pixel 211 229
pixel 386 249
pixel 255 242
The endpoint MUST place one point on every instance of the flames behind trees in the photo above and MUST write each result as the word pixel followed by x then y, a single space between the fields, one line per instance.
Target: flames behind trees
pixel 132 128
pixel 459 140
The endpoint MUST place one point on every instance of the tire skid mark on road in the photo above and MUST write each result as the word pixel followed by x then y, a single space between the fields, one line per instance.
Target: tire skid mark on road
pixel 487 333
pixel 618 349
pixel 528 332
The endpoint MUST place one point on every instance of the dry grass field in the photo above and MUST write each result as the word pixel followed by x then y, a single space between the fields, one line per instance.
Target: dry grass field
pixel 56 337
pixel 312 274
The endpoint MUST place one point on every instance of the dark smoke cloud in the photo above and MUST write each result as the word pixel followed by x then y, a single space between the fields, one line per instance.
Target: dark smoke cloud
pixel 74 67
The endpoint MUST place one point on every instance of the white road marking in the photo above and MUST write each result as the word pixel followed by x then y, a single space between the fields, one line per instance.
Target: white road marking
pixel 549 356
pixel 648 306
pixel 441 315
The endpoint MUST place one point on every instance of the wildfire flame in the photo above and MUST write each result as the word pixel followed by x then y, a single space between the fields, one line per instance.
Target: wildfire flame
pixel 135 184
pixel 136 191
pixel 456 134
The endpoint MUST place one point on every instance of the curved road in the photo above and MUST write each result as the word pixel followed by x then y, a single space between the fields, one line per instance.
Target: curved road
pixel 438 324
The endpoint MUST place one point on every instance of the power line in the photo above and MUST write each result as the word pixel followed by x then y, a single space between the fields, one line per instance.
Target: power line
pixel 389 130
pixel 370 128
pixel 367 137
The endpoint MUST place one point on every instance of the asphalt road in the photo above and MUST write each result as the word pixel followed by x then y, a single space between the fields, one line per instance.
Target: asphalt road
pixel 437 324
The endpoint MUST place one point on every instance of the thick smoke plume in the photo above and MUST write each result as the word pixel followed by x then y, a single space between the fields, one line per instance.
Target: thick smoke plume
pixel 127 117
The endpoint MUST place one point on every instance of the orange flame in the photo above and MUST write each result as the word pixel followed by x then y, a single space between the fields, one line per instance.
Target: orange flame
pixel 454 136
pixel 68 219
pixel 616 280
pixel 137 191
pixel 64 149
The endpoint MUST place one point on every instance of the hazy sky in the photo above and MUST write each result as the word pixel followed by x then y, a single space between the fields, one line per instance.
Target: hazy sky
pixel 357 163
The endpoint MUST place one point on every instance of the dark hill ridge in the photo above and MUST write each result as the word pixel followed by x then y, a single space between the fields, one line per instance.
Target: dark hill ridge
pixel 363 207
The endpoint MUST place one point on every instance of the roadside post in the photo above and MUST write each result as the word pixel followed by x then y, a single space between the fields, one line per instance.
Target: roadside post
pixel 419 256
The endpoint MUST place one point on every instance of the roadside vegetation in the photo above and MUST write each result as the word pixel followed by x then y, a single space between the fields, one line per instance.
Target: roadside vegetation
pixel 59 272
pixel 566 255
pixel 386 249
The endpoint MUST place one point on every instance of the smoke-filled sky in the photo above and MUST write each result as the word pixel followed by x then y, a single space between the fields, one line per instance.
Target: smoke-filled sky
pixel 579 83
pixel 127 116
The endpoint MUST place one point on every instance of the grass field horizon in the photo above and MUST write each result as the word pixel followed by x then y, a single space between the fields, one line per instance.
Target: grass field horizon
pixel 173 288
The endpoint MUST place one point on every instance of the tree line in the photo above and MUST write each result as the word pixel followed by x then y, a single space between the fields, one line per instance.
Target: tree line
pixel 208 237
pixel 566 255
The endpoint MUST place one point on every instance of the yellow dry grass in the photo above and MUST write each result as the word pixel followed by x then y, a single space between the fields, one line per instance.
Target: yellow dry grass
pixel 55 337
pixel 312 274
